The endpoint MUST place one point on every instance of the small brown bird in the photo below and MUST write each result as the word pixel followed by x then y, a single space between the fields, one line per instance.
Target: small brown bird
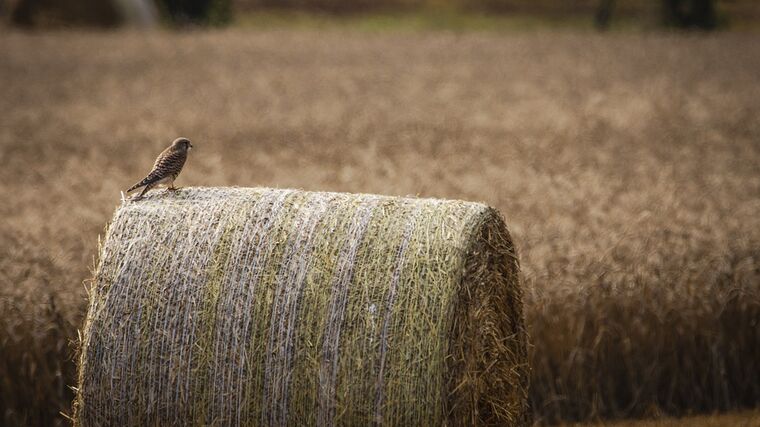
pixel 167 167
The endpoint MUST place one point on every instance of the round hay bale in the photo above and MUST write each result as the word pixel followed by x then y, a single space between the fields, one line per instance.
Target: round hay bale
pixel 255 306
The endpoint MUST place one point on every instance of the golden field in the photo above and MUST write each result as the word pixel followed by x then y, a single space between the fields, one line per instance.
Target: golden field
pixel 626 166
pixel 734 419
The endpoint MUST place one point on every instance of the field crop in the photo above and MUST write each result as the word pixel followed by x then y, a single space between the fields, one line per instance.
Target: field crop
pixel 626 166
pixel 735 419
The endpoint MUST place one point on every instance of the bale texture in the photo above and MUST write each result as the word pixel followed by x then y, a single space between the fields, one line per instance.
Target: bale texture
pixel 254 306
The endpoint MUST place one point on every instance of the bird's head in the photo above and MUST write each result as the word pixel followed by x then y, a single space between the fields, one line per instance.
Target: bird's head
pixel 182 144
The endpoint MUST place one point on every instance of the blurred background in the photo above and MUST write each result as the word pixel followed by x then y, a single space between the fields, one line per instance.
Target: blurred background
pixel 619 138
pixel 601 14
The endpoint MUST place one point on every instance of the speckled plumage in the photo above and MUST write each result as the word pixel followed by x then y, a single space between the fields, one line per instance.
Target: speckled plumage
pixel 167 167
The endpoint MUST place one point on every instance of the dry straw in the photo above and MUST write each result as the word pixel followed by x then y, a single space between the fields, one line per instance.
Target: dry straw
pixel 240 306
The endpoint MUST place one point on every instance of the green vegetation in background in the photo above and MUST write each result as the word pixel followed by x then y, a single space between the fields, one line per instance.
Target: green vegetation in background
pixel 419 20
pixel 457 15
pixel 625 15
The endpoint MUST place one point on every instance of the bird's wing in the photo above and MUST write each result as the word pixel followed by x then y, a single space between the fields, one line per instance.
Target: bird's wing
pixel 164 154
pixel 169 162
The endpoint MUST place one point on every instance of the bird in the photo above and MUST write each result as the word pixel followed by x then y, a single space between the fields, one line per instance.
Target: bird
pixel 167 167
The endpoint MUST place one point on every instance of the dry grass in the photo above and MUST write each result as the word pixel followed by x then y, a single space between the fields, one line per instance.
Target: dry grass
pixel 736 419
pixel 626 167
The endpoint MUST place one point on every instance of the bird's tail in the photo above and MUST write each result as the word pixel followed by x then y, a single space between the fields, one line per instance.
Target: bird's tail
pixel 145 190
pixel 142 183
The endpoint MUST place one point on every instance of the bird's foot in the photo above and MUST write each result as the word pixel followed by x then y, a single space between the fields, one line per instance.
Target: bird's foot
pixel 172 188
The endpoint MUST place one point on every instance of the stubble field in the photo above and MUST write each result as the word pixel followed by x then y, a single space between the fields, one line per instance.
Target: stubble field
pixel 626 166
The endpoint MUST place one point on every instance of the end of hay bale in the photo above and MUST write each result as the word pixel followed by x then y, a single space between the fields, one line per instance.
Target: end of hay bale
pixel 488 352
pixel 272 307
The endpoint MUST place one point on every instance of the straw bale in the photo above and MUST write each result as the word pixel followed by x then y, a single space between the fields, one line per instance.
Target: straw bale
pixel 255 306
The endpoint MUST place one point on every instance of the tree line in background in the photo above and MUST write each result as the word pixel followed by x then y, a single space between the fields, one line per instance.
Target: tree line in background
pixel 686 14
pixel 110 13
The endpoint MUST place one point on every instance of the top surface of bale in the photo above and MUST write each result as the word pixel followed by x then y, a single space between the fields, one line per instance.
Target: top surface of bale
pixel 242 306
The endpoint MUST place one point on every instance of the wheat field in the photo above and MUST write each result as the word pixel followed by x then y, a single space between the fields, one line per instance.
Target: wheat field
pixel 626 166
